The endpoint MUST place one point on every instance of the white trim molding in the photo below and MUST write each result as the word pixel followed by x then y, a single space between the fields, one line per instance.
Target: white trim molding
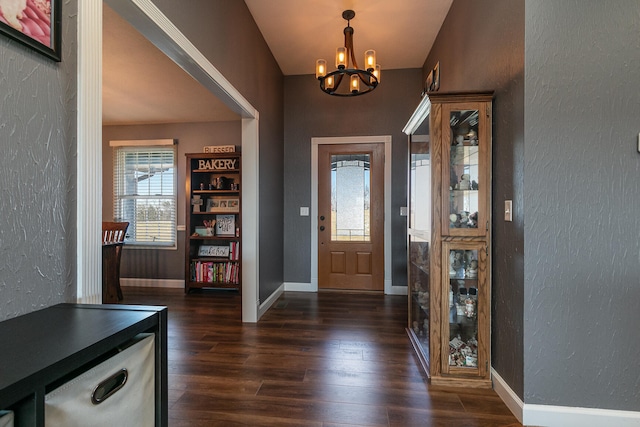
pixel 561 416
pixel 566 416
pixel 265 306
pixel 390 289
pixel 89 154
pixel 378 139
pixel 508 396
pixel 299 287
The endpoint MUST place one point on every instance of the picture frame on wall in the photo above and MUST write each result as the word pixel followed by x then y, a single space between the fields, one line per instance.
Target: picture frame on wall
pixel 33 23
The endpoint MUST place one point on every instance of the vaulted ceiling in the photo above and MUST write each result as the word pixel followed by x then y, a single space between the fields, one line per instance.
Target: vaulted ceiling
pixel 142 85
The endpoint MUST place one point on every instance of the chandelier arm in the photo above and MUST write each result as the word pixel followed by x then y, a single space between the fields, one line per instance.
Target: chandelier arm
pixel 370 77
pixel 348 44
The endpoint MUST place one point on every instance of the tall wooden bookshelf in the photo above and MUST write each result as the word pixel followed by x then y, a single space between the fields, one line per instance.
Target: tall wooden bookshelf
pixel 213 257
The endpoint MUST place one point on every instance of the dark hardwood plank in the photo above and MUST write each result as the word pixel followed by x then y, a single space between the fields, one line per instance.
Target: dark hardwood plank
pixel 318 360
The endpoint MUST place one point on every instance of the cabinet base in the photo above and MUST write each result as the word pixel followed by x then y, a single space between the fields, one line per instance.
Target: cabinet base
pixel 461 382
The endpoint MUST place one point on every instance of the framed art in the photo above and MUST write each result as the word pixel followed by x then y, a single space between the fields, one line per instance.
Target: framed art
pixel 223 204
pixel 225 225
pixel 34 23
pixel 214 251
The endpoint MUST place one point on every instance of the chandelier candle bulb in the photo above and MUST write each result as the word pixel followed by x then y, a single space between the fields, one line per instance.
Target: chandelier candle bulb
pixel 355 83
pixel 376 72
pixel 328 82
pixel 321 68
pixel 370 60
pixel 341 57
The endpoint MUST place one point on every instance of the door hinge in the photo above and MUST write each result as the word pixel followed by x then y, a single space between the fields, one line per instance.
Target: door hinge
pixel 487 226
pixel 486 250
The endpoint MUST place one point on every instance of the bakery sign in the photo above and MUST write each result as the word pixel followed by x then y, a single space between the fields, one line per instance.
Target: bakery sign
pixel 218 164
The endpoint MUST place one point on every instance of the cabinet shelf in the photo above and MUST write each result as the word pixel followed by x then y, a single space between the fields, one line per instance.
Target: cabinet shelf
pixel 214 285
pixel 218 171
pixel 213 238
pixel 216 191
pixel 423 268
pixel 215 213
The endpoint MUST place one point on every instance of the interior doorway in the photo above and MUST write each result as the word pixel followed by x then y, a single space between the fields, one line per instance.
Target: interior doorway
pixel 148 19
pixel 351 217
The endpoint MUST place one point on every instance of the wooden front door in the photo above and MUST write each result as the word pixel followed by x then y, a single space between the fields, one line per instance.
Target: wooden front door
pixel 351 217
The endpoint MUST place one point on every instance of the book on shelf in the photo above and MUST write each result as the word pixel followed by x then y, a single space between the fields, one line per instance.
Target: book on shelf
pixel 234 251
pixel 215 272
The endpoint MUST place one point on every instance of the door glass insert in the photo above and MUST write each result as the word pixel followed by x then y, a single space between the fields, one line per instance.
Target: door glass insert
pixel 350 197
pixel 464 172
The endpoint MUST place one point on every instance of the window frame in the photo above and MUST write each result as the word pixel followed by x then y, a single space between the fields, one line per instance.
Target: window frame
pixel 160 147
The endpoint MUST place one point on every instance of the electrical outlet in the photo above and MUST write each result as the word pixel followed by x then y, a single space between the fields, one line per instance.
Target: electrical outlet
pixel 508 210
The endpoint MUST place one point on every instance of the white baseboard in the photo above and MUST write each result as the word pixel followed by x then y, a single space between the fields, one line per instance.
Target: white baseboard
pixel 560 416
pixel 152 283
pixel 566 416
pixel 309 287
pixel 508 396
pixel 299 287
pixel 395 290
pixel 262 309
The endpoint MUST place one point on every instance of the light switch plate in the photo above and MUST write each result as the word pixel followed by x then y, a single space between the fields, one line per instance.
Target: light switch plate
pixel 508 210
pixel 403 211
pixel 304 211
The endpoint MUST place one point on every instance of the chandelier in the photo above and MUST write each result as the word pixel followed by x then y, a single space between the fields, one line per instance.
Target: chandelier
pixel 361 81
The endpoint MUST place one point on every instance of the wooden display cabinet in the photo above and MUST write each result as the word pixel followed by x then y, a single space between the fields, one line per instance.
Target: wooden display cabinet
pixel 213 221
pixel 449 236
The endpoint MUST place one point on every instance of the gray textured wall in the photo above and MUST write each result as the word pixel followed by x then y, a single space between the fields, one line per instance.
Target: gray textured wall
pixel 192 137
pixel 38 174
pixel 581 201
pixel 311 113
pixel 493 59
pixel 224 31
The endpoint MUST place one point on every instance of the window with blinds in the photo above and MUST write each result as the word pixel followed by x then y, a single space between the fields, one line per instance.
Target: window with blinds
pixel 144 190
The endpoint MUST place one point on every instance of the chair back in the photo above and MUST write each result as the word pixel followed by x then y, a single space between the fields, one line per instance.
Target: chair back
pixel 114 232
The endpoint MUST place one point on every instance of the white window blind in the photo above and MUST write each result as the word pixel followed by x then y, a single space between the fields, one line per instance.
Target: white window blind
pixel 144 189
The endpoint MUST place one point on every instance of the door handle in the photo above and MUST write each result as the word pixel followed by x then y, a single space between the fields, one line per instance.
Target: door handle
pixel 322 228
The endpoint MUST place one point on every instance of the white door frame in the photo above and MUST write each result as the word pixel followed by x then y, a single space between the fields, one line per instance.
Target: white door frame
pixel 386 140
pixel 156 27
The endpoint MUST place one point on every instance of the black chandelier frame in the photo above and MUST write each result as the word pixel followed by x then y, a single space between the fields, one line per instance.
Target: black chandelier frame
pixel 367 78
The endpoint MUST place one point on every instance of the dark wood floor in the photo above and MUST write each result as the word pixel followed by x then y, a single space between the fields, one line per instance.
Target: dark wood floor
pixel 312 360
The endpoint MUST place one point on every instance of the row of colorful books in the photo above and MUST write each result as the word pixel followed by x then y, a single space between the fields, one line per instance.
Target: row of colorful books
pixel 215 272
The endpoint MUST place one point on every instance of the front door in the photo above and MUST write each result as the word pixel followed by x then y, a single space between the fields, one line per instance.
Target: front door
pixel 351 217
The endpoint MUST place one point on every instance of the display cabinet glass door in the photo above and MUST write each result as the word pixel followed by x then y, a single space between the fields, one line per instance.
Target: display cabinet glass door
pixel 419 240
pixel 420 182
pixel 468 306
pixel 419 310
pixel 465 176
